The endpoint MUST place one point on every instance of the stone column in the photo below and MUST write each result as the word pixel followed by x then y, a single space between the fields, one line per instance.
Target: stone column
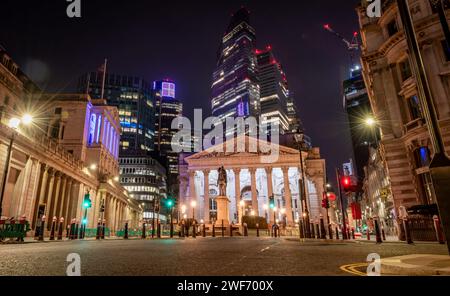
pixel 237 190
pixel 61 196
pixel 56 195
pixel 67 199
pixel 255 205
pixel 206 208
pixel 192 195
pixel 288 196
pixel 49 197
pixel 269 191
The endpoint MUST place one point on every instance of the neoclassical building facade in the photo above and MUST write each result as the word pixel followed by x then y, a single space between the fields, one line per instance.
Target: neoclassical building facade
pixel 69 149
pixel 392 89
pixel 253 180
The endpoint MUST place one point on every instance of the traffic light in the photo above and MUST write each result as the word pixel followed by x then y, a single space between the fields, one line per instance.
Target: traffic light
pixel 346 183
pixel 169 203
pixel 272 202
pixel 87 203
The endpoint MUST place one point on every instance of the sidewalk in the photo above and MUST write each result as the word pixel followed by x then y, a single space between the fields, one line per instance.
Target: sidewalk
pixel 416 265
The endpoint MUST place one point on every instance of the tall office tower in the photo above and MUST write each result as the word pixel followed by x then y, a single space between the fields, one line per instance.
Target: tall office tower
pixel 133 97
pixel 167 109
pixel 357 107
pixel 235 89
pixel 274 92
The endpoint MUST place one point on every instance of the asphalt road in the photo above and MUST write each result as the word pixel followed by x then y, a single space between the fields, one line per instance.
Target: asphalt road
pixel 202 256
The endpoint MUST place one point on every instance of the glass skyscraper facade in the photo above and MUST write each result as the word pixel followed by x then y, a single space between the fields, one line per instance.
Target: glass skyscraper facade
pixel 235 88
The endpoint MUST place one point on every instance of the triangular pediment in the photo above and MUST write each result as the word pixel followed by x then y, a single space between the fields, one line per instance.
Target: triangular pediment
pixel 243 146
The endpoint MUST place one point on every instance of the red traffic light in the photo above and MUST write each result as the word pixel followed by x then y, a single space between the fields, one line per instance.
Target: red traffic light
pixel 346 182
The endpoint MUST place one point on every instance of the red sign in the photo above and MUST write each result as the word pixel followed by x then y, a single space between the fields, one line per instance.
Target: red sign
pixel 356 211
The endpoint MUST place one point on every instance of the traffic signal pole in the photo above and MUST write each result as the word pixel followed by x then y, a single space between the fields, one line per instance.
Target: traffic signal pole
pixel 344 223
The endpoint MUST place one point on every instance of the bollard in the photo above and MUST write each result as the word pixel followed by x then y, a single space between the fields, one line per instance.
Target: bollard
pixel 300 230
pixel 257 229
pixel 438 229
pixel 144 234
pixel 317 231
pixel 42 229
pixel 68 231
pixel 60 228
pixel 214 229
pixel 103 228
pixel 407 232
pixel 348 233
pixel 368 234
pixel 72 230
pixel 312 231
pixel 125 235
pixel 246 230
pixel 223 234
pixel 52 231
pixel 383 233
pixel 76 230
pixel 99 229
pixel 194 231
pixel 323 234
pixel 330 231
pixel 158 230
pixel 231 230
pixel 353 233
pixel 204 230
pixel 377 232
pixel 337 233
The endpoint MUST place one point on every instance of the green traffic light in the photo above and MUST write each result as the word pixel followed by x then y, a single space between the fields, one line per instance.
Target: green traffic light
pixel 169 203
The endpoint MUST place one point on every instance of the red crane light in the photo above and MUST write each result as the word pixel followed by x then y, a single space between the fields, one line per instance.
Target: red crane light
pixel 326 26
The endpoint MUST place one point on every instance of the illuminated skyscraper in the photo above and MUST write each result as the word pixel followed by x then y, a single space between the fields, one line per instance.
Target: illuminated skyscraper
pixel 235 89
pixel 277 104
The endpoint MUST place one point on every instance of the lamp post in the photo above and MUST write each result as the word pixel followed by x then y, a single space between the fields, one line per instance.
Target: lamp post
pixel 300 140
pixel 14 124
pixel 440 163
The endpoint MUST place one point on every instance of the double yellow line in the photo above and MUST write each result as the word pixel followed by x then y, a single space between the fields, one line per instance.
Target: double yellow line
pixel 352 268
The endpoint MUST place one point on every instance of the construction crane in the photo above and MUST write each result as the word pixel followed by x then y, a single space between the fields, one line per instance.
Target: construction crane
pixel 352 46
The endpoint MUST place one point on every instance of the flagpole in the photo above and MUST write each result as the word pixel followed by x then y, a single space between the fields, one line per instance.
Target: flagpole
pixel 104 78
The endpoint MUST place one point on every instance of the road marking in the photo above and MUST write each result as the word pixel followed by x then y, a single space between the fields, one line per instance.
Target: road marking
pixel 352 268
pixel 265 249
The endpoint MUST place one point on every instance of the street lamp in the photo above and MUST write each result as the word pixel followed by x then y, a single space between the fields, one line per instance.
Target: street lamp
pixel 370 121
pixel 300 140
pixel 14 124
pixel 193 205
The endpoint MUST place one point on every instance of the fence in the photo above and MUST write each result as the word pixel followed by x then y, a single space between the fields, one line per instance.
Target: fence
pixel 422 228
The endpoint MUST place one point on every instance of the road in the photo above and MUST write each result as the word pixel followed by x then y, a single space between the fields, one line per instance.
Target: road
pixel 202 256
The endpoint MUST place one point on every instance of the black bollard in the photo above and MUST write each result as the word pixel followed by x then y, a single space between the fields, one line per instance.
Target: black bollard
pixel 409 239
pixel 194 231
pixel 158 230
pixel 378 232
pixel 76 230
pixel 353 233
pixel 223 230
pixel 368 234
pixel 204 230
pixel 52 231
pixel 312 231
pixel 257 229
pixel 60 228
pixel 72 230
pixel 68 231
pixel 383 234
pixel 99 230
pixel 144 234
pixel 171 228
pixel 245 229
pixel 214 229
pixel 337 233
pixel 231 230
pixel 125 235
pixel 323 234
pixel 317 231
pixel 103 229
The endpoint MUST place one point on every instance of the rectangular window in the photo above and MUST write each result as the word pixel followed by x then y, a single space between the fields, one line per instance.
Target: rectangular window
pixel 405 70
pixel 414 108
pixel 446 50
pixel 392 28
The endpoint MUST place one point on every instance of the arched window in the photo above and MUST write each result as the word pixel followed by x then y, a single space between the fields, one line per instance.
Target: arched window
pixel 92 122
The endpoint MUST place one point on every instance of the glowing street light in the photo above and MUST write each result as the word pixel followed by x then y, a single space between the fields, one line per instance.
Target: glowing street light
pixel 27 119
pixel 370 121
pixel 14 123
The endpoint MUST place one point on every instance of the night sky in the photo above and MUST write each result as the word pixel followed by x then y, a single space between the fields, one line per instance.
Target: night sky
pixel 179 40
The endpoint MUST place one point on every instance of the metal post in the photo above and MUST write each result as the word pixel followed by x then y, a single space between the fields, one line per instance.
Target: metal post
pixel 52 231
pixel 194 230
pixel 257 229
pixel 144 234
pixel 305 206
pixel 223 234
pixel 344 223
pixel 377 231
pixel 323 234
pixel 171 223
pixel 60 228
pixel 126 231
pixel 440 164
